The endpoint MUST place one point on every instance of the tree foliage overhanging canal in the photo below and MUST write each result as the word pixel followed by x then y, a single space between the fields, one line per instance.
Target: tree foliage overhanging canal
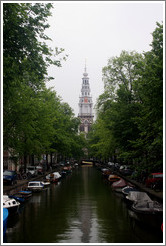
pixel 129 126
pixel 130 111
pixel 36 121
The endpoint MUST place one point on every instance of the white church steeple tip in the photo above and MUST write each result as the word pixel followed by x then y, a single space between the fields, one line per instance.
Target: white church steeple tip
pixel 85 72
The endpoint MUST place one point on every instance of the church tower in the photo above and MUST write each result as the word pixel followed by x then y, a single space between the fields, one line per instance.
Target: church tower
pixel 85 105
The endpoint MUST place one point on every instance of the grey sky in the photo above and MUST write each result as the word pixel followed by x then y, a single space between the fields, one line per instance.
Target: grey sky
pixel 97 31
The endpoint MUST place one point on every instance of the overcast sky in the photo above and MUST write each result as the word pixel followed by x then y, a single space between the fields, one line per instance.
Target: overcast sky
pixel 96 31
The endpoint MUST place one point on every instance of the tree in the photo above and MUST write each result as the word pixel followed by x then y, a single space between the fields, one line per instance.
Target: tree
pixel 150 90
pixel 121 70
pixel 130 111
pixel 26 57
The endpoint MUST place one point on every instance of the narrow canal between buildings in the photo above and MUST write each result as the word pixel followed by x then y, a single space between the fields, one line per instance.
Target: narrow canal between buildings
pixel 81 209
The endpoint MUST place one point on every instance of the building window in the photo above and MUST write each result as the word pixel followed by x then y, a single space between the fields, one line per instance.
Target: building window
pixel 89 128
pixel 81 128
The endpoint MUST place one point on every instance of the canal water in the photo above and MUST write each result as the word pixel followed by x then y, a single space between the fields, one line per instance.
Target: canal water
pixel 80 209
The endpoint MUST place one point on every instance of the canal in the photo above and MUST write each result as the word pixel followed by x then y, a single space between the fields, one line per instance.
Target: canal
pixel 80 209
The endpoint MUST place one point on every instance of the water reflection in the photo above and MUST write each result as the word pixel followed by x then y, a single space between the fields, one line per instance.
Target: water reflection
pixel 81 209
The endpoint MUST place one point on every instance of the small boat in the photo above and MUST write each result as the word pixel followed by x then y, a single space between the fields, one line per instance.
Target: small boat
pixel 25 194
pixel 46 183
pixel 67 169
pixel 127 189
pixel 35 186
pixel 113 178
pixel 149 212
pixel 136 196
pixel 18 197
pixel 63 174
pixel 87 163
pixel 11 204
pixel 106 173
pixel 5 218
pixel 147 207
pixel 119 185
pixel 53 177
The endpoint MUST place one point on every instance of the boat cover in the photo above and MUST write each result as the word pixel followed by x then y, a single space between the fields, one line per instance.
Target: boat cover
pixel 138 196
pixel 113 177
pixel 127 189
pixel 57 175
pixel 119 184
pixel 147 206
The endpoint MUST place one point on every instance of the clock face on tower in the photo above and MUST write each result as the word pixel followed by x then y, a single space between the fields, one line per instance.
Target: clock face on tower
pixel 85 100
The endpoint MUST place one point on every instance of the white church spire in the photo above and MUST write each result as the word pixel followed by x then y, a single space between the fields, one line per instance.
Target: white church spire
pixel 85 103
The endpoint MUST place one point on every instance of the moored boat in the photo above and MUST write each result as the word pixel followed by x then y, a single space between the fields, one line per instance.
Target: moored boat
pixel 106 173
pixel 88 163
pixel 113 178
pixel 35 186
pixel 149 212
pixel 136 196
pixel 25 194
pixel 46 183
pixel 18 197
pixel 127 189
pixel 67 169
pixel 53 177
pixel 63 174
pixel 11 204
pixel 5 218
pixel 118 185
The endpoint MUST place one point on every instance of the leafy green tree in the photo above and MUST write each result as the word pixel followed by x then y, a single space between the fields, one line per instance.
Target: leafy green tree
pixel 121 70
pixel 28 121
pixel 130 111
pixel 67 142
pixel 150 90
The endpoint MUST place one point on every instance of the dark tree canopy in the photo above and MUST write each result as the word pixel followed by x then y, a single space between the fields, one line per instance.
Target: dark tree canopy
pixel 130 111
pixel 35 120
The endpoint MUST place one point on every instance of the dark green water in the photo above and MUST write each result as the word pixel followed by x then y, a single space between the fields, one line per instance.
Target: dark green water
pixel 81 209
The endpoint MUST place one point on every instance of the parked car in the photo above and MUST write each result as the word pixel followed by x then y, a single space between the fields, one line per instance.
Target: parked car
pixel 111 164
pixel 9 177
pixel 61 163
pixel 32 170
pixel 153 178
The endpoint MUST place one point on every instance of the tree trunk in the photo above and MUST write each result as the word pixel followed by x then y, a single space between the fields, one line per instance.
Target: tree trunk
pixel 25 162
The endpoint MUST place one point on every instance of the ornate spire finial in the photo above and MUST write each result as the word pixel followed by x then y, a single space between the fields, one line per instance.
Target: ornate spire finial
pixel 85 72
pixel 85 65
